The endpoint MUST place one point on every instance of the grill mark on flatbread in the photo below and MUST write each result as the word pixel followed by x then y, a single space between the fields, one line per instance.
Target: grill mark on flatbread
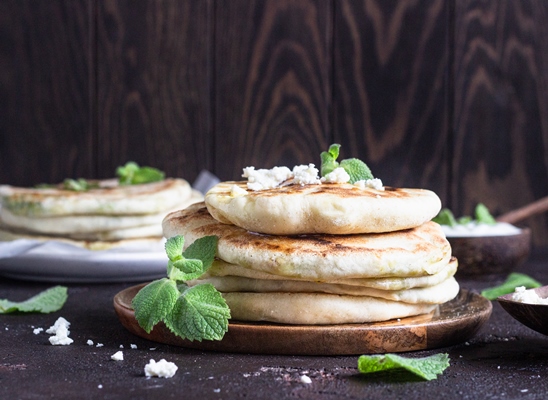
pixel 410 252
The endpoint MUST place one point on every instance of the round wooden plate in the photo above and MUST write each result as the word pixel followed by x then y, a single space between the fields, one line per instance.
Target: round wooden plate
pixel 454 322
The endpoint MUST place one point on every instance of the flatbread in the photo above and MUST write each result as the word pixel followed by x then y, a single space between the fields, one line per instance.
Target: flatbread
pixel 438 294
pixel 109 199
pixel 85 225
pixel 140 243
pixel 221 268
pixel 318 308
pixel 330 208
pixel 419 251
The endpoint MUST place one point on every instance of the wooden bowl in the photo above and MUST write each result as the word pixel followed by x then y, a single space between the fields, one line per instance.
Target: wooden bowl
pixel 490 255
pixel 534 316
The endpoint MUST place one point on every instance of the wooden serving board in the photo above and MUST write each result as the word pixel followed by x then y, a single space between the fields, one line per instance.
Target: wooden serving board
pixel 454 322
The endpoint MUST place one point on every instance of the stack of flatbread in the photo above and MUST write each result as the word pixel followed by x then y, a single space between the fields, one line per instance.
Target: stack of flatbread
pixel 328 253
pixel 110 215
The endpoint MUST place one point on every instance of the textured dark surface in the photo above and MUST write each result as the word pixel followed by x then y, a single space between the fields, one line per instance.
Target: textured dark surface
pixel 504 360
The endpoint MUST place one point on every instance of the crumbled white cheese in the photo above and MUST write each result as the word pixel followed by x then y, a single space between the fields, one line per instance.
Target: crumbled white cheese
pixel 121 346
pixel 237 191
pixel 99 345
pixel 60 333
pixel 118 356
pixel 133 346
pixel 306 175
pixel 89 342
pixel 305 379
pixel 374 183
pixel 480 229
pixel 338 175
pixel 36 331
pixel 162 368
pixel 528 296
pixel 266 178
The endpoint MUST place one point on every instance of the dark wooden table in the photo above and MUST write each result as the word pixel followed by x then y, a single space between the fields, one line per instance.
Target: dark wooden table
pixel 503 360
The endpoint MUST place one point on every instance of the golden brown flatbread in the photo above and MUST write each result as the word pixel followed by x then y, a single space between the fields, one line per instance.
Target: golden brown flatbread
pixel 330 208
pixel 419 251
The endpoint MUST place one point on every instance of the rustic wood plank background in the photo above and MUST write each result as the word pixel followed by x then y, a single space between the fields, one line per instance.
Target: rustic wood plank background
pixel 443 94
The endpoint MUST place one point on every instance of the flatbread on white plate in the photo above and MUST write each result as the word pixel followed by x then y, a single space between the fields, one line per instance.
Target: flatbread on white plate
pixel 437 294
pixel 83 225
pixel 221 268
pixel 109 199
pixel 7 235
pixel 330 208
pixel 318 308
pixel 419 251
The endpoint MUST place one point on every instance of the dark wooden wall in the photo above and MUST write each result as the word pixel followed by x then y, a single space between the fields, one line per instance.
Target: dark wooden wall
pixel 443 94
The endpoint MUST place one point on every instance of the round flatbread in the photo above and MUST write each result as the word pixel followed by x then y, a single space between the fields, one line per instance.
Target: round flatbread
pixel 221 268
pixel 330 208
pixel 139 243
pixel 419 251
pixel 84 225
pixel 109 199
pixel 318 308
pixel 438 294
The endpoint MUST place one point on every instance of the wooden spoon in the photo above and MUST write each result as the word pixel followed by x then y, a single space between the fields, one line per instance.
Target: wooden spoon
pixel 525 212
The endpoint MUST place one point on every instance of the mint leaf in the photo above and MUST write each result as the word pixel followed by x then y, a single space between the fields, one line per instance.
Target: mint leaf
pixel 174 247
pixel 329 158
pixel 193 313
pixel 513 280
pixel 445 217
pixel 203 249
pixel 200 313
pixel 357 169
pixel 133 174
pixel 48 301
pixel 79 185
pixel 483 215
pixel 427 367
pixel 154 302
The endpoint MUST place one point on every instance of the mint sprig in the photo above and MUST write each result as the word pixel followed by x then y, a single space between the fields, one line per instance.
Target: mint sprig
pixel 191 312
pixel 48 301
pixel 513 280
pixel 426 367
pixel 133 174
pixel 356 169
pixel 481 214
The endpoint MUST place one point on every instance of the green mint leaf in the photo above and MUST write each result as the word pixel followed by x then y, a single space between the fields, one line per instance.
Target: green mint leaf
pixel 78 185
pixel 513 280
pixel 174 247
pixel 427 367
pixel 203 249
pixel 464 220
pixel 357 169
pixel 154 302
pixel 133 174
pixel 185 270
pixel 48 301
pixel 200 313
pixel 483 215
pixel 329 159
pixel 445 217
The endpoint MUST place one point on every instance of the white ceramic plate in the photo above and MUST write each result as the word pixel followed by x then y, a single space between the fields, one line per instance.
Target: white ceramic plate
pixel 61 262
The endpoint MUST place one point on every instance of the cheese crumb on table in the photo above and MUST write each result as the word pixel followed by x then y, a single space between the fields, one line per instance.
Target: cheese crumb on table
pixel 118 356
pixel 162 368
pixel 60 332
